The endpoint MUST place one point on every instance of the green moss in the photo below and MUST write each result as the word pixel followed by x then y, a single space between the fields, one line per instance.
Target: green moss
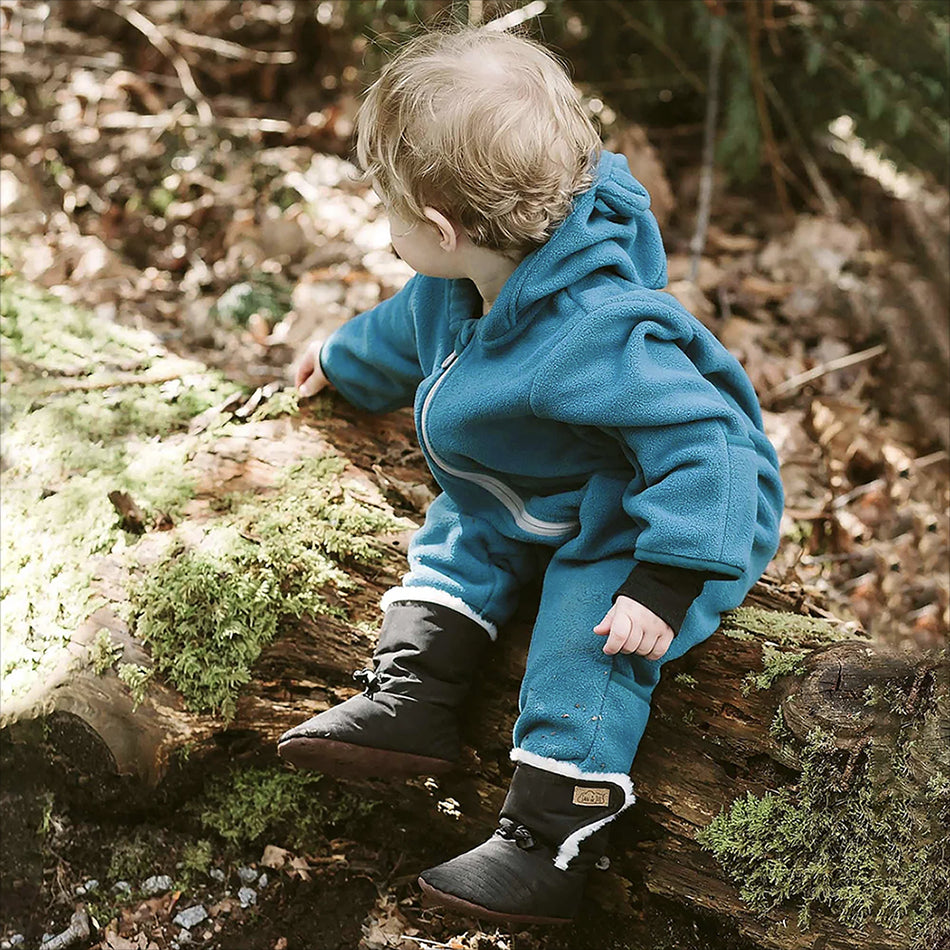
pixel 875 850
pixel 775 663
pixel 206 612
pixel 285 402
pixel 684 679
pixel 65 450
pixel 137 857
pixel 196 860
pixel 250 803
pixel 783 628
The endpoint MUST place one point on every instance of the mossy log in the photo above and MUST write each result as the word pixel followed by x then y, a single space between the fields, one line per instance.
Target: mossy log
pixel 732 719
pixel 793 781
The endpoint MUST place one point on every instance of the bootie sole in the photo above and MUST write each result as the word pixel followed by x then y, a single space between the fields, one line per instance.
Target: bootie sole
pixel 345 760
pixel 432 897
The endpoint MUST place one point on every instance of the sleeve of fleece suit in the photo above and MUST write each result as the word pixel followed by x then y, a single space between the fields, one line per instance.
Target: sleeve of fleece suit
pixel 372 359
pixel 694 489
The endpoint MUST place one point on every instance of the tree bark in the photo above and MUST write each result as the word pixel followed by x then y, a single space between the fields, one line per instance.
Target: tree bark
pixel 708 742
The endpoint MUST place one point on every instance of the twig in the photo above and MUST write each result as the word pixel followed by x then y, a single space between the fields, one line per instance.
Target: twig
pixel 917 464
pixel 669 53
pixel 852 359
pixel 765 123
pixel 821 186
pixel 155 36
pixel 134 120
pixel 516 17
pixel 121 379
pixel 232 50
pixel 698 242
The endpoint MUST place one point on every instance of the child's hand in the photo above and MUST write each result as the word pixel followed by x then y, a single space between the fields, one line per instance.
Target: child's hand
pixel 308 376
pixel 632 628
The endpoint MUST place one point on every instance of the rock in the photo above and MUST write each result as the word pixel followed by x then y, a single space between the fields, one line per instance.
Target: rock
pixel 247 875
pixel 247 896
pixel 91 885
pixel 190 917
pixel 262 881
pixel 121 887
pixel 158 884
pixel 217 874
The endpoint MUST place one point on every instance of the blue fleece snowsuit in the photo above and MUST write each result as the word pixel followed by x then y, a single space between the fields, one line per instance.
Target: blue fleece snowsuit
pixel 586 423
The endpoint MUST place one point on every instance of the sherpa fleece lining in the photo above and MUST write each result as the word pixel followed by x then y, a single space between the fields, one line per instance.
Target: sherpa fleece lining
pixel 570 846
pixel 434 595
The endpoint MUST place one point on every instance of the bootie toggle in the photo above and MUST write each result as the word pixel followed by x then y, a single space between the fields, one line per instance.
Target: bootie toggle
pixel 404 722
pixel 532 870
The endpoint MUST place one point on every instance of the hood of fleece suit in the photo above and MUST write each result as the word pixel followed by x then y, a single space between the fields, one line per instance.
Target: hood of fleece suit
pixel 610 228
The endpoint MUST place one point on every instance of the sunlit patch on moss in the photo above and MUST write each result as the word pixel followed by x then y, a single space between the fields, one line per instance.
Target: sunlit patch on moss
pixel 248 803
pixel 874 850
pixel 206 612
pixel 66 448
pixel 744 623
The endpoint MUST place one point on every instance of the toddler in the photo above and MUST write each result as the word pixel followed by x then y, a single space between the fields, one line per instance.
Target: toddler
pixel 583 427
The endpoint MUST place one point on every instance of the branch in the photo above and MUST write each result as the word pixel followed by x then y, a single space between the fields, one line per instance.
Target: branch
pixel 155 36
pixel 698 242
pixel 232 50
pixel 755 69
pixel 852 359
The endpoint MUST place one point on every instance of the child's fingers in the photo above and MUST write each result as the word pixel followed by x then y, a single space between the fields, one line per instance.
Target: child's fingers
pixel 304 370
pixel 620 632
pixel 659 649
pixel 603 628
pixel 646 644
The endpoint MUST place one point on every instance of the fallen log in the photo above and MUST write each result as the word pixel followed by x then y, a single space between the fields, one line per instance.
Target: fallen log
pixel 792 781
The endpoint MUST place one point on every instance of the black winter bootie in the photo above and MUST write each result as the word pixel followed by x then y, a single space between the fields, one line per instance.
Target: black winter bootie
pixel 532 870
pixel 404 721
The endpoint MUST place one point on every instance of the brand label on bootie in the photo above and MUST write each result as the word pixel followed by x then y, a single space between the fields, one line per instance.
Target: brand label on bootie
pixel 595 797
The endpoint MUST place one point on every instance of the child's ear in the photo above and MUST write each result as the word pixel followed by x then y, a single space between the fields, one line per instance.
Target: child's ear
pixel 448 236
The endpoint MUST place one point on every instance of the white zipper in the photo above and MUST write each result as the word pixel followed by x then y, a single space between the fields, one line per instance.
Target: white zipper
pixel 500 490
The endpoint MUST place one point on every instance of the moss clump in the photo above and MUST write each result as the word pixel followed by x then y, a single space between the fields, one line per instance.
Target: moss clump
pixel 196 860
pixel 248 803
pixel 138 856
pixel 65 449
pixel 787 629
pixel 876 850
pixel 684 679
pixel 775 663
pixel 207 612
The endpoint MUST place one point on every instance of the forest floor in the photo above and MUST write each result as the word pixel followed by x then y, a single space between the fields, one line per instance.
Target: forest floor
pixel 235 245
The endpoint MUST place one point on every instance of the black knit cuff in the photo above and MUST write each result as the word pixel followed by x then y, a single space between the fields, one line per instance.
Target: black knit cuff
pixel 668 591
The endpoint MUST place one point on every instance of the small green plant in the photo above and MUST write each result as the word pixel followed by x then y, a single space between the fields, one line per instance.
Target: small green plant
pixel 137 857
pixel 684 679
pixel 196 860
pixel 104 652
pixel 137 678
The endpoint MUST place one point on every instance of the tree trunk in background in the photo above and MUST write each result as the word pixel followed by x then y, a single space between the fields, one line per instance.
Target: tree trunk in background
pixel 711 738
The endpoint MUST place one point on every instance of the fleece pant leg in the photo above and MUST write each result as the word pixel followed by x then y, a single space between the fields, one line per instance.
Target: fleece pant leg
pixel 463 561
pixel 581 706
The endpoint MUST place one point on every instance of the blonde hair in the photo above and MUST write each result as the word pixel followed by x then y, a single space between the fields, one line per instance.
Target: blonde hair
pixel 486 127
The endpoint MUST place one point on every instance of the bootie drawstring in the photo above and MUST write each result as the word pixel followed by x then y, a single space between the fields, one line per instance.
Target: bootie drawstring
pixel 512 831
pixel 369 680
